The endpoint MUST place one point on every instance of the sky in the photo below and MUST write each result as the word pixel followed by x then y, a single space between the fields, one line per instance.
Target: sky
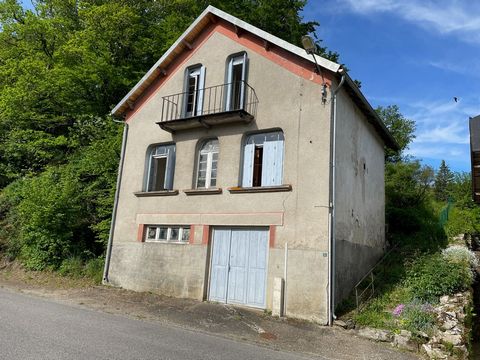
pixel 417 54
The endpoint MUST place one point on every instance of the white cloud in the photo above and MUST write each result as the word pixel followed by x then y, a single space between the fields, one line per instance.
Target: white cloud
pixel 458 17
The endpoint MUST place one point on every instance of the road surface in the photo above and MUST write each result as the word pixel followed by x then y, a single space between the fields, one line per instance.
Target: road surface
pixel 36 328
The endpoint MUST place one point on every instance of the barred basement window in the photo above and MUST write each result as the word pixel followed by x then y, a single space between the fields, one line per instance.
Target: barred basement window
pixel 168 233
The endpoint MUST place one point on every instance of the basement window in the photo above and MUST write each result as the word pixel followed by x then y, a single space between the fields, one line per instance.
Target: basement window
pixel 168 233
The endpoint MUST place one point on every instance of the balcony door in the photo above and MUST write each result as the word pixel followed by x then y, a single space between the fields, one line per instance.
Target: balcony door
pixel 195 87
pixel 236 78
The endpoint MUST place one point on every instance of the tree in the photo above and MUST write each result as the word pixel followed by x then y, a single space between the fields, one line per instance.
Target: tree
pixel 443 182
pixel 401 128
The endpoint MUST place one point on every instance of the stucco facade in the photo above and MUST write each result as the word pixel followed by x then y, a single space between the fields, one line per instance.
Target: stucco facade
pixel 296 216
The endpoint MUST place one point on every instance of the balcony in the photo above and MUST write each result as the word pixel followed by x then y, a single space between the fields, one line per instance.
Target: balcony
pixel 203 108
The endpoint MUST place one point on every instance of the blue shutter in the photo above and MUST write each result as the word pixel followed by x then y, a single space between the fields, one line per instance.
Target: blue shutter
pixel 272 164
pixel 201 90
pixel 170 167
pixel 248 155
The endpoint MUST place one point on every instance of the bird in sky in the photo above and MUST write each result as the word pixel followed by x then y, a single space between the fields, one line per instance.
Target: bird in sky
pixel 455 99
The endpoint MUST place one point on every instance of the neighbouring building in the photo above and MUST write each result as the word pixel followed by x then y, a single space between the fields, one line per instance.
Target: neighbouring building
pixel 233 180
pixel 475 157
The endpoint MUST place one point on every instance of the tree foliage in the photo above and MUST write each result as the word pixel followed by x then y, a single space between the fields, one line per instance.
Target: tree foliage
pixel 443 182
pixel 63 65
pixel 401 128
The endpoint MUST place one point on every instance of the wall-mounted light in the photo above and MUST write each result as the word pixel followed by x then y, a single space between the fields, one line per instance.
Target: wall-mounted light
pixel 310 47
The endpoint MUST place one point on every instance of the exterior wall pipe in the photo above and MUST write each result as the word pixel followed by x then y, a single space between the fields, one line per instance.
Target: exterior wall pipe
pixel 108 254
pixel 331 220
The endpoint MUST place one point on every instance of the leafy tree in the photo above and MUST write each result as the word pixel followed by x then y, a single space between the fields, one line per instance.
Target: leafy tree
pixel 402 129
pixel 443 182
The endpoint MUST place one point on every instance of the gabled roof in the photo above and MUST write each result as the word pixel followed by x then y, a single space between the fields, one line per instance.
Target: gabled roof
pixel 207 17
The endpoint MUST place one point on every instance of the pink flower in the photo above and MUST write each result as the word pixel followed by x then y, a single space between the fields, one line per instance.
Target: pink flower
pixel 398 310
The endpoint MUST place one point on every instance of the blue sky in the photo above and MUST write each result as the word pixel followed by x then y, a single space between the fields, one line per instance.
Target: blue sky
pixel 418 54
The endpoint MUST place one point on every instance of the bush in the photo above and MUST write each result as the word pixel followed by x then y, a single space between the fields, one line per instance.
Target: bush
pixel 94 269
pixel 461 255
pixel 431 276
pixel 71 267
pixel 418 317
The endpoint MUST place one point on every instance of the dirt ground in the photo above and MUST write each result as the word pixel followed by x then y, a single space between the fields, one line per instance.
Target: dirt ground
pixel 222 320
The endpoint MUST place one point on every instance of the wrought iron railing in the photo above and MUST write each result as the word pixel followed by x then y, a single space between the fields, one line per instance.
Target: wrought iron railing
pixel 211 100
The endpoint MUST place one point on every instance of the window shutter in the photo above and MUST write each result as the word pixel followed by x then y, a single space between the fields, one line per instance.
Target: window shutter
pixel 201 90
pixel 248 155
pixel 272 164
pixel 170 167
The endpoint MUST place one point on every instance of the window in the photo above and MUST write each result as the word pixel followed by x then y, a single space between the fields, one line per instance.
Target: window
pixel 236 77
pixel 263 160
pixel 161 167
pixel 207 165
pixel 195 87
pixel 168 233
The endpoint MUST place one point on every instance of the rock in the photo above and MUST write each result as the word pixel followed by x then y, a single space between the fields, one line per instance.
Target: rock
pixel 404 342
pixel 449 324
pixel 375 334
pixel 340 323
pixel 433 353
pixel 452 314
pixel 462 352
pixel 423 335
pixel 444 299
pixel 451 338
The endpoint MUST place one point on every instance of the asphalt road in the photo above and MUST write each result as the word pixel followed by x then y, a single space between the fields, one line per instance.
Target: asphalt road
pixel 36 328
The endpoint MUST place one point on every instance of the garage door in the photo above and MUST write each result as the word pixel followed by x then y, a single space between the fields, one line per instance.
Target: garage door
pixel 239 266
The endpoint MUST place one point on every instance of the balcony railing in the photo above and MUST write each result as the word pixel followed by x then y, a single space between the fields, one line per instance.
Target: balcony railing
pixel 222 100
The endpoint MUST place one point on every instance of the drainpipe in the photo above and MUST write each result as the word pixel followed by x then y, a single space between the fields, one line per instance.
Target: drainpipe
pixel 331 220
pixel 115 202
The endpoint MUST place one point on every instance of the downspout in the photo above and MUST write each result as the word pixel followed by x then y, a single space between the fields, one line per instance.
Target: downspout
pixel 331 220
pixel 115 202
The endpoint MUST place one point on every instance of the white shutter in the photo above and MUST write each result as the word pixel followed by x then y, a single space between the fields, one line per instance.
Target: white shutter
pixel 248 156
pixel 170 167
pixel 201 90
pixel 272 164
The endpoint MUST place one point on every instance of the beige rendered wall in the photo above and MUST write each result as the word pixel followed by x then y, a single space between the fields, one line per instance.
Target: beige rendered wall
pixel 286 101
pixel 360 197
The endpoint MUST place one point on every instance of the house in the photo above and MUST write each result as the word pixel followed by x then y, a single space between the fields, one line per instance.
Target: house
pixel 474 127
pixel 247 173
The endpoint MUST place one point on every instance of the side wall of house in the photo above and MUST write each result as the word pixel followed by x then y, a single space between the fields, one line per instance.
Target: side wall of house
pixel 298 217
pixel 360 197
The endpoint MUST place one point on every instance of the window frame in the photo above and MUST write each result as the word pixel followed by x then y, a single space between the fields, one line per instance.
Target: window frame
pixel 170 155
pixel 168 239
pixel 209 165
pixel 198 92
pixel 243 57
pixel 249 140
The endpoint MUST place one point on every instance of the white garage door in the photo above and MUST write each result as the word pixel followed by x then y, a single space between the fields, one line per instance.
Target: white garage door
pixel 239 266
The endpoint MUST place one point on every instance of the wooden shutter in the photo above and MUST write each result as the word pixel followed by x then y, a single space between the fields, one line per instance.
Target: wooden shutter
pixel 272 165
pixel 170 167
pixel 201 90
pixel 248 155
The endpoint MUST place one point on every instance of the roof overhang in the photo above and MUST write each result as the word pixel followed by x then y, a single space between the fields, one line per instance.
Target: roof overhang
pixel 211 15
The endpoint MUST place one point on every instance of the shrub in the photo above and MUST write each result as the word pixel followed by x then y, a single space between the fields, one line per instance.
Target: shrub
pixel 460 254
pixel 94 269
pixel 431 276
pixel 418 317
pixel 71 267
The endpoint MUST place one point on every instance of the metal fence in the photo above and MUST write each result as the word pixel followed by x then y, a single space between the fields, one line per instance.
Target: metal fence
pixel 443 217
pixel 211 100
pixel 365 288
